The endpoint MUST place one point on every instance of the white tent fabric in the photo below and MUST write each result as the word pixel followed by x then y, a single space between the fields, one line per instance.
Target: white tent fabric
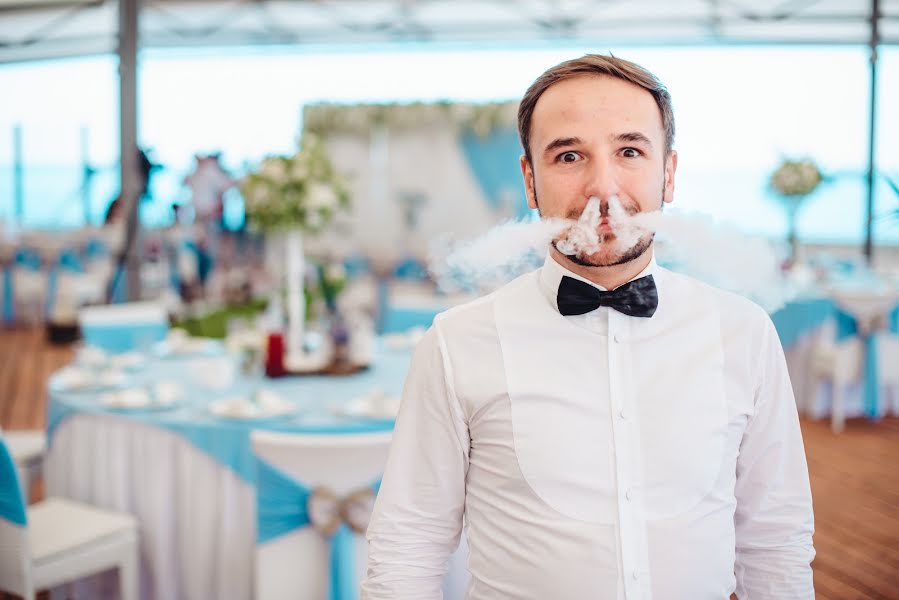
pixel 36 29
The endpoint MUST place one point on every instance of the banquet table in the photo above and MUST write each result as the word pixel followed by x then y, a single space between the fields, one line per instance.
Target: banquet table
pixel 188 475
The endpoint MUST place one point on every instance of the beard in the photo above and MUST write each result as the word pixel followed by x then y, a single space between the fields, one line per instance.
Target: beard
pixel 614 256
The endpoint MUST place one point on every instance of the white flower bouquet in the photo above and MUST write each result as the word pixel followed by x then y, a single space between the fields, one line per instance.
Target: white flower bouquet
pixel 300 191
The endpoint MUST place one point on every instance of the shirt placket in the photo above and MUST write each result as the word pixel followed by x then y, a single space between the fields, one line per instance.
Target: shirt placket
pixel 625 435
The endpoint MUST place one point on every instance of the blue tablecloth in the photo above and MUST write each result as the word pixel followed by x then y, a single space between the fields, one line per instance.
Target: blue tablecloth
pixel 227 440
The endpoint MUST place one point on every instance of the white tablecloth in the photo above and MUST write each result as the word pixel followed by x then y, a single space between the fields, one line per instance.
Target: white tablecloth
pixel 197 518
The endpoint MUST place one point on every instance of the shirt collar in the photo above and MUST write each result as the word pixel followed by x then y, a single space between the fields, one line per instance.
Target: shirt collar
pixel 552 272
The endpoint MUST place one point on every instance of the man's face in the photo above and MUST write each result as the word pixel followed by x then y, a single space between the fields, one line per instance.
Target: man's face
pixel 600 136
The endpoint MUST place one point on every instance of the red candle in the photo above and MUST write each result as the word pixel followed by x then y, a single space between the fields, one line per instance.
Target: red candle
pixel 274 355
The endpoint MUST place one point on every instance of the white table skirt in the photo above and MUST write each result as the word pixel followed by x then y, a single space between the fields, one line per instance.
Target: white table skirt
pixel 197 519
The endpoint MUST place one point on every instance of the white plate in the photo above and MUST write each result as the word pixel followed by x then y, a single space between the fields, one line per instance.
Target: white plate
pixel 74 379
pixel 136 399
pixel 181 347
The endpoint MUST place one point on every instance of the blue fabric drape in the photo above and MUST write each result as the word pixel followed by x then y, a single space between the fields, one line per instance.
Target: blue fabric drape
pixel 800 317
pixel 494 161
pixel 8 304
pixel 281 508
pixel 12 502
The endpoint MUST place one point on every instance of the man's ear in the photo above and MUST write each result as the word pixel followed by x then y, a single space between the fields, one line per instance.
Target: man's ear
pixel 670 169
pixel 527 173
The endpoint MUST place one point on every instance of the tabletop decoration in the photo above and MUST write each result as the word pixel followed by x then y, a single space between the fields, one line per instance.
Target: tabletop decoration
pixel 287 197
pixel 794 181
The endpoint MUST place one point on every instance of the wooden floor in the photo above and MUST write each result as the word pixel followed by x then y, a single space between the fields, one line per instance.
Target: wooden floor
pixel 855 476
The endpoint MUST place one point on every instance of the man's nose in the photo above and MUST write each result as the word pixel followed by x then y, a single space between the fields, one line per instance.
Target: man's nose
pixel 602 180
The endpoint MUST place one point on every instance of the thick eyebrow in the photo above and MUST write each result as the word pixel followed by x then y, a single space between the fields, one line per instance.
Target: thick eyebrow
pixel 632 137
pixel 561 143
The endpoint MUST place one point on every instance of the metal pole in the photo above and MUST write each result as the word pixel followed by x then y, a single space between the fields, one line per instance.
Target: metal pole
pixel 131 184
pixel 87 174
pixel 18 184
pixel 872 124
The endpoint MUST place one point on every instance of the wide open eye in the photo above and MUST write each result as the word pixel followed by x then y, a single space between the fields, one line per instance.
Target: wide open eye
pixel 569 157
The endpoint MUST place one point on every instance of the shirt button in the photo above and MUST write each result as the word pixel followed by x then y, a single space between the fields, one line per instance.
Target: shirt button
pixel 617 339
pixel 636 574
pixel 623 414
pixel 629 494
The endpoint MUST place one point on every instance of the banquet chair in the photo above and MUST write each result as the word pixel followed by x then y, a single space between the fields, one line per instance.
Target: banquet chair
pixel 27 447
pixel 124 327
pixel 292 559
pixel 55 541
pixel 840 363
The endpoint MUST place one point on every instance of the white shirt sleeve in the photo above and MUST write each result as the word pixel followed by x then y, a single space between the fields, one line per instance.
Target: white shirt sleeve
pixel 774 520
pixel 417 519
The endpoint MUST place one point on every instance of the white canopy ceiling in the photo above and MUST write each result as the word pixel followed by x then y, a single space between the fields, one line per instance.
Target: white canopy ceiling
pixel 33 29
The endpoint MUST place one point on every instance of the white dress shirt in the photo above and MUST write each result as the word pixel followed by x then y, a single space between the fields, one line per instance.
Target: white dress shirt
pixel 597 456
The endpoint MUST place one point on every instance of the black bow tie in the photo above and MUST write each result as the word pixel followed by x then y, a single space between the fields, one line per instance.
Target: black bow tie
pixel 637 298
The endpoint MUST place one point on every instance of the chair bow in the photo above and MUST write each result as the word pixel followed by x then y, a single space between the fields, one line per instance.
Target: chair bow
pixel 327 510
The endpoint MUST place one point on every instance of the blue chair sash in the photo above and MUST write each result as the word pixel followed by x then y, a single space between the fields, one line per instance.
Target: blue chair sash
pixel 95 248
pixel 12 502
pixel 28 258
pixel 411 269
pixel 281 507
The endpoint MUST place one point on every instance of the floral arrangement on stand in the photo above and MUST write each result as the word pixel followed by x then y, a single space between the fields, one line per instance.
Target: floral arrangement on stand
pixel 325 119
pixel 794 181
pixel 302 191
pixel 285 198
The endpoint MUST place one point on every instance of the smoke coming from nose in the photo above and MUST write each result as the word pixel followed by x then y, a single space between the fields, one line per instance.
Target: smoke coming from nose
pixel 716 253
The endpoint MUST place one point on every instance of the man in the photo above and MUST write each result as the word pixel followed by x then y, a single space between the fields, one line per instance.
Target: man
pixel 648 447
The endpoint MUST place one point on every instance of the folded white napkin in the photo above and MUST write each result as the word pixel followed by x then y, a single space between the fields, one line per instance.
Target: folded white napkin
pixel 376 404
pixel 128 398
pixel 162 394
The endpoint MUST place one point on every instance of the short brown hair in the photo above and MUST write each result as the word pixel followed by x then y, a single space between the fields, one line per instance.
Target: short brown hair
pixel 595 64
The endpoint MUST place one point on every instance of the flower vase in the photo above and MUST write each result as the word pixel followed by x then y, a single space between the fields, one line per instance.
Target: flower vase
pixel 294 276
pixel 340 338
